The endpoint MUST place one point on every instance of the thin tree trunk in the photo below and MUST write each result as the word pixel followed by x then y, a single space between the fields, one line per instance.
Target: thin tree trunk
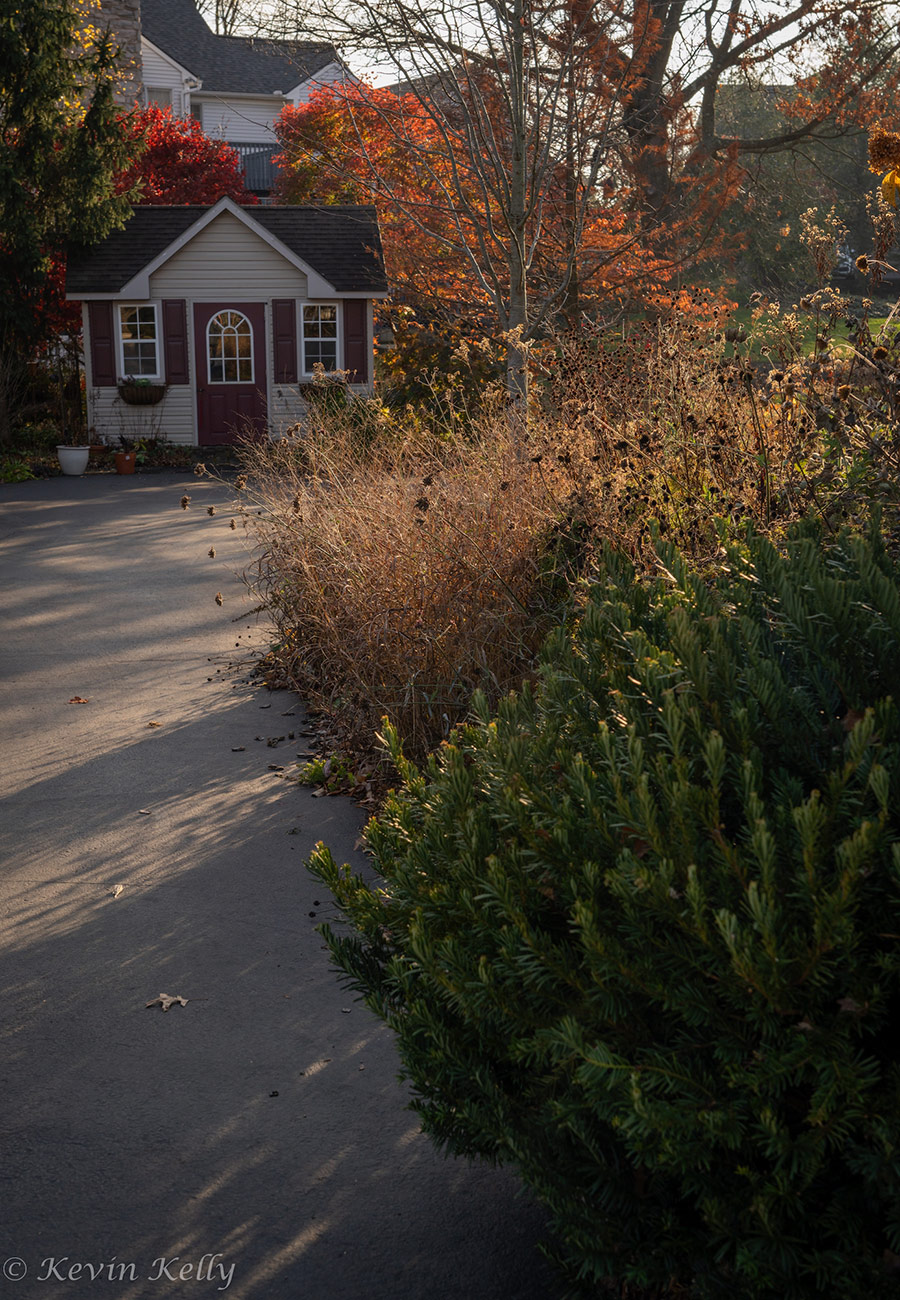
pixel 516 361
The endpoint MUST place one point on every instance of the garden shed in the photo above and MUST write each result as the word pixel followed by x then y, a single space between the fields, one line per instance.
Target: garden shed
pixel 205 323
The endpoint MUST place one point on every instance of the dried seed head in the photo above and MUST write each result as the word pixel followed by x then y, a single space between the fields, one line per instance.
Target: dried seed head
pixel 422 503
pixel 296 505
pixel 232 524
pixel 843 392
pixel 185 502
pixel 211 552
pixel 199 469
pixel 862 263
pixel 879 353
pixel 219 598
pixel 210 510
pixel 240 483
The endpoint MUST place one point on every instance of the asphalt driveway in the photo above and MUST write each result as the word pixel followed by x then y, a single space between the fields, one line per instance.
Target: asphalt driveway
pixel 253 1142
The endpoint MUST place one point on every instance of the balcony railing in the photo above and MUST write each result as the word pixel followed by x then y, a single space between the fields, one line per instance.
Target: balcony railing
pixel 257 166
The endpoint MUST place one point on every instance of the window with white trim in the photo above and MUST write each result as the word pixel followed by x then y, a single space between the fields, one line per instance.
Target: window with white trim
pixel 139 339
pixel 320 334
pixel 159 95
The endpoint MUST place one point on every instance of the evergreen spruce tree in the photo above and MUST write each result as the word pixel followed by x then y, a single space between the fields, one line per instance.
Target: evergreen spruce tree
pixel 638 934
pixel 60 150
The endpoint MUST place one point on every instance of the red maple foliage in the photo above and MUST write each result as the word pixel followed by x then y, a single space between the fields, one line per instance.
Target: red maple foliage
pixel 179 164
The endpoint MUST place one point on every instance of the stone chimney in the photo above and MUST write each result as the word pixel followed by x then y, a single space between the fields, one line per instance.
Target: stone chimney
pixel 124 17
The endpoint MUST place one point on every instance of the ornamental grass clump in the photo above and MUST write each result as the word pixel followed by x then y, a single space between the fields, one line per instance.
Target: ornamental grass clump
pixel 638 932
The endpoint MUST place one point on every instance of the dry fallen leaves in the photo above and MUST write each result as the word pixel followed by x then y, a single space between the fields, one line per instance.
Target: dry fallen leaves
pixel 185 502
pixel 154 724
pixel 166 1000
pixel 220 599
pixel 78 699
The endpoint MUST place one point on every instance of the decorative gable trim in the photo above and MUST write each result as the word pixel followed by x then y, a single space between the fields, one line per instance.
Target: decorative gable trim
pixel 139 285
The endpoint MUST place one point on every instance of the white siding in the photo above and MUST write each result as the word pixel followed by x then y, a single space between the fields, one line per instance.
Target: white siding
pixel 174 416
pixel 159 72
pixel 327 76
pixel 227 260
pixel 242 121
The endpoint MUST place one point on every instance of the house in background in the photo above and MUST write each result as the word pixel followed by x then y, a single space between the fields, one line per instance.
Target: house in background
pixel 235 86
pixel 221 313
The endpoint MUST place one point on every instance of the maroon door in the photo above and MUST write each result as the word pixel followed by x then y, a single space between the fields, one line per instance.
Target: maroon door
pixel 230 347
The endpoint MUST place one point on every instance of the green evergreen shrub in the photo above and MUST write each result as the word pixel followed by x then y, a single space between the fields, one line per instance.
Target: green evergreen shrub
pixel 637 934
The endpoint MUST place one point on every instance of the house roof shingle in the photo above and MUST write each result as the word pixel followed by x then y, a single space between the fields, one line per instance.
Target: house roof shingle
pixel 341 242
pixel 239 64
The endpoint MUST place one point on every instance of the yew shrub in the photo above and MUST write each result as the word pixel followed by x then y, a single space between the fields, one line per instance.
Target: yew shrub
pixel 637 930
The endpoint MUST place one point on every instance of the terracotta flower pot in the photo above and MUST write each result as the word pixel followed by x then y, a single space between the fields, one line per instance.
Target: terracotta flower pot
pixel 125 462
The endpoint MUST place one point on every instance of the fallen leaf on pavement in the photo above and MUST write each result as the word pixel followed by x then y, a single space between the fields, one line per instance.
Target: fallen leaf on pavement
pixel 118 890
pixel 166 1000
pixel 78 699
pixel 154 724
pixel 145 812
pixel 238 749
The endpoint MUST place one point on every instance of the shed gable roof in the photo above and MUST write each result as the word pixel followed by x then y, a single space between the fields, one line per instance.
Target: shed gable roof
pixel 341 243
pixel 240 64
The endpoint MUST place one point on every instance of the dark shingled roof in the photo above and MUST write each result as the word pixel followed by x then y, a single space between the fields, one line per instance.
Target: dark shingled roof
pixel 240 64
pixel 341 242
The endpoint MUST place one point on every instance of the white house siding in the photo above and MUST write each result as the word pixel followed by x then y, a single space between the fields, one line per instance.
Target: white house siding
pixel 330 75
pixel 227 250
pixel 159 73
pixel 242 121
pixel 173 417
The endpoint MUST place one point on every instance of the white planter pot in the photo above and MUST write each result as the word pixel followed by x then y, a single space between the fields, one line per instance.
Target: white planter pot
pixel 73 460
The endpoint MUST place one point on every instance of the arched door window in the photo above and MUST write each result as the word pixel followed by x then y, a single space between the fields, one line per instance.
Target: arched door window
pixel 229 348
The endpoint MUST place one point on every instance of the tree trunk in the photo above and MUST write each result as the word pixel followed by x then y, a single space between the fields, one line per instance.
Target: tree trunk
pixel 516 361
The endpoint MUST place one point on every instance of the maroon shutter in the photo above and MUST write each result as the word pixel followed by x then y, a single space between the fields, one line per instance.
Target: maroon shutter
pixel 356 351
pixel 103 346
pixel 284 333
pixel 175 341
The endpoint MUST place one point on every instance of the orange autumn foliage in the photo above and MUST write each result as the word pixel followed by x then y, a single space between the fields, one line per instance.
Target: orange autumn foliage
pixel 367 145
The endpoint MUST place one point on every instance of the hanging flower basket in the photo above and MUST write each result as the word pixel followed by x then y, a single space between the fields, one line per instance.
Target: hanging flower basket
pixel 137 394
